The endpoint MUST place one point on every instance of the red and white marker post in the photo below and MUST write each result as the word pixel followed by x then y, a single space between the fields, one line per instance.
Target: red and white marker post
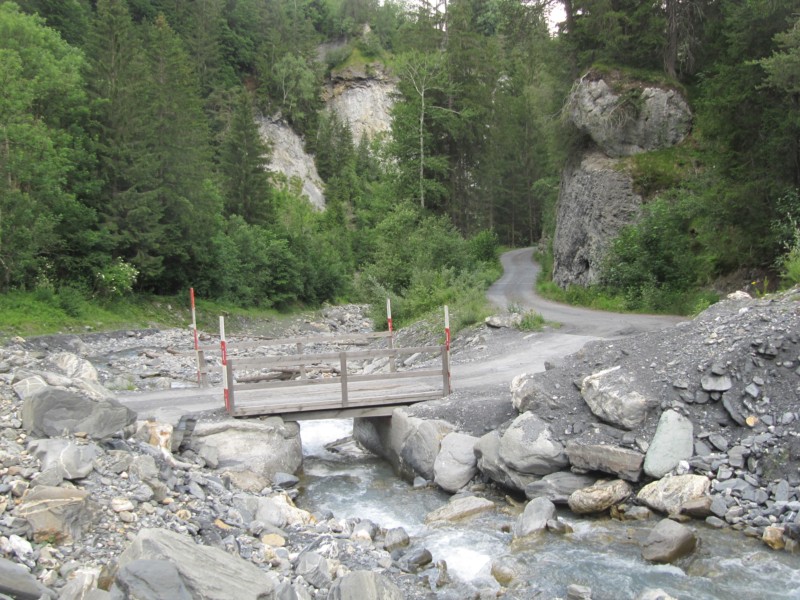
pixel 446 359
pixel 224 350
pixel 392 365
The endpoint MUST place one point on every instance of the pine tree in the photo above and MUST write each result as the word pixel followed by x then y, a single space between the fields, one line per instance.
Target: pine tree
pixel 243 166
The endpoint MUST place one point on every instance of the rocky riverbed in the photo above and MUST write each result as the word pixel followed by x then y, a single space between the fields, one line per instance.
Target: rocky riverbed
pixel 700 421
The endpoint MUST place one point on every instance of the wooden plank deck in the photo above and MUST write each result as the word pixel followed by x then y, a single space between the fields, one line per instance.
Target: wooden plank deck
pixel 336 394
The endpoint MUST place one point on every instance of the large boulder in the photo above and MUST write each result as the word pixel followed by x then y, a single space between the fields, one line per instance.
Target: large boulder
pixel 455 465
pixel 71 460
pixel 420 448
pixel 626 117
pixel 535 517
pixel 56 513
pixel 599 497
pixel 460 508
pixel 208 573
pixel 672 443
pixel 148 579
pixel 668 541
pixel 611 396
pixel 487 451
pixel 528 394
pixel 669 494
pixel 53 412
pixel 364 585
pixel 528 446
pixel 252 451
pixel 16 582
pixel 622 462
pixel 278 510
pixel 557 487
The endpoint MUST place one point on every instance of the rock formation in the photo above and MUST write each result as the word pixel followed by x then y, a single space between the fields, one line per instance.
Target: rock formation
pixel 289 157
pixel 620 118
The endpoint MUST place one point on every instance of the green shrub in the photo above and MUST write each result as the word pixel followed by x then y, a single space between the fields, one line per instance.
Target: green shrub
pixel 483 246
pixel 72 301
pixel 532 321
pixel 116 280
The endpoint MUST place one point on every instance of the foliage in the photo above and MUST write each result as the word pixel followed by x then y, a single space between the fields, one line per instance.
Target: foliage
pixel 532 321
pixel 116 280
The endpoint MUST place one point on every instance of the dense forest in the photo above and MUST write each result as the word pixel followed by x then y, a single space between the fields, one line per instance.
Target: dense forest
pixel 130 159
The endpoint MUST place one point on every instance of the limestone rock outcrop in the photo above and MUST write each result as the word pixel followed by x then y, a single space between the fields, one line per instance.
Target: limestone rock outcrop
pixel 363 97
pixel 289 157
pixel 620 118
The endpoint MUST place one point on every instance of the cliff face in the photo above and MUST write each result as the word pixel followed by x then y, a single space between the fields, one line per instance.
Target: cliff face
pixel 597 198
pixel 363 97
pixel 595 201
pixel 290 158
pixel 360 96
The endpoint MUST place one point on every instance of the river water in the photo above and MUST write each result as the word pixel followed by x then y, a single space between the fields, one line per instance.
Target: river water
pixel 601 553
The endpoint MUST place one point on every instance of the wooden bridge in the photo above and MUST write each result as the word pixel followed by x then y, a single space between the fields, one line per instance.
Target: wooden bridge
pixel 327 384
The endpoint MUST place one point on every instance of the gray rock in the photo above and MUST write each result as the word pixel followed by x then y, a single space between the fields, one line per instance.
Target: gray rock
pixel 672 443
pixel 718 441
pixel 16 582
pixel 534 518
pixel 364 585
pixel 487 452
pixel 625 464
pixel 668 541
pixel 660 118
pixel 460 508
pixel 55 512
pixel 52 412
pixel 285 480
pixel 527 394
pixel 499 321
pixel 611 397
pixel 455 465
pixel 654 594
pixel 147 579
pixel 396 538
pixel 557 487
pixel 528 446
pixel 599 497
pixel 716 383
pixel 596 200
pixel 718 506
pixel 421 446
pixel 231 577
pixel 667 495
pixel 314 569
pixel 262 448
pixel 415 559
pixel 73 461
pixel 578 592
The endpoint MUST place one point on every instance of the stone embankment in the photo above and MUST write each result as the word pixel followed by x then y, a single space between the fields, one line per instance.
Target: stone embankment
pixel 699 421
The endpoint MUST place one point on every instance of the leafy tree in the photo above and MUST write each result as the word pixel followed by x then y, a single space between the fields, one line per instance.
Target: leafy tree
pixel 41 99
pixel 423 75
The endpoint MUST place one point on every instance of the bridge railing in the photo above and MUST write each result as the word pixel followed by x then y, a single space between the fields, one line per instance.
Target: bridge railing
pixel 333 369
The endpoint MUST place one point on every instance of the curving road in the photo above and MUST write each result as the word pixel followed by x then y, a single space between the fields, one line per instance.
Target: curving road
pixel 482 372
pixel 517 286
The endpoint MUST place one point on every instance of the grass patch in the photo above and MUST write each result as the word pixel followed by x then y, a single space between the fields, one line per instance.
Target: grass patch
pixel 660 170
pixel 29 314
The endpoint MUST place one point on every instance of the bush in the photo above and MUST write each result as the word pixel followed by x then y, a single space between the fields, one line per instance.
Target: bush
pixel 116 280
pixel 483 246
pixel 72 301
